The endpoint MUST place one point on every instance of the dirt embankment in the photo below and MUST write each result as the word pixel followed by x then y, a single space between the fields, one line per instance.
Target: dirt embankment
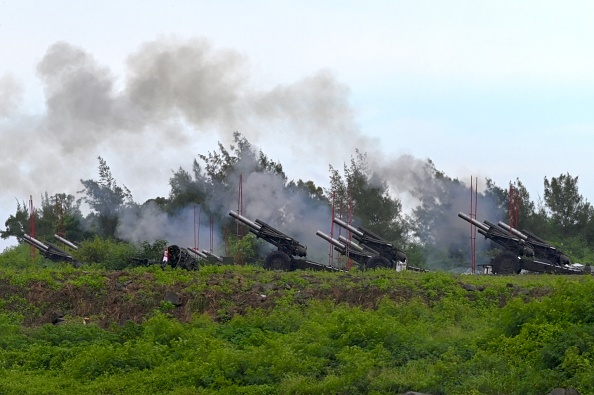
pixel 119 296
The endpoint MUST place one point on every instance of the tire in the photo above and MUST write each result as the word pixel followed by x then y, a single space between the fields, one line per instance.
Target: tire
pixel 506 262
pixel 277 260
pixel 378 262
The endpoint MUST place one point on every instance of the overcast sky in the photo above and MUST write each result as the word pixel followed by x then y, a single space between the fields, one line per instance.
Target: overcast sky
pixel 490 89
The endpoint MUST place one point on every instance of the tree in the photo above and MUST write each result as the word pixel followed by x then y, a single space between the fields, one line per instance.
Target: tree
pixel 187 189
pixel 59 213
pixel 310 188
pixel 434 222
pixel 569 212
pixel 106 199
pixel 369 198
pixel 530 215
pixel 17 224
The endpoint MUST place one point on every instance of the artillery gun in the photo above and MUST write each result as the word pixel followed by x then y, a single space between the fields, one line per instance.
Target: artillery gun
pixel 522 250
pixel 372 251
pixel 348 248
pixel 50 251
pixel 176 256
pixel 288 249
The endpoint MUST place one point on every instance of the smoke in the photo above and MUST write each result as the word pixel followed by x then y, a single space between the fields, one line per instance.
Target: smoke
pixel 178 98
pixel 148 223
pixel 11 95
pixel 436 199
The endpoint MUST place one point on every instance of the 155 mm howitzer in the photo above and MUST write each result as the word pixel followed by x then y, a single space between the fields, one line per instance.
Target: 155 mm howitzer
pixel 522 250
pixel 50 251
pixel 284 258
pixel 348 248
pixel 382 253
pixel 541 248
pixel 175 256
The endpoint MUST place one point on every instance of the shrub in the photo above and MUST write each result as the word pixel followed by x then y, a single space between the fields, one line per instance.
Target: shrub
pixel 107 253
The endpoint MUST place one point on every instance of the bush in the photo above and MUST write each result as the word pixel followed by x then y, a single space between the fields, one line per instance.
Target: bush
pixel 106 253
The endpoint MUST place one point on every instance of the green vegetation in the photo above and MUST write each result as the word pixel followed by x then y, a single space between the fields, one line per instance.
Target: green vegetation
pixel 244 330
pixel 121 324
pixel 431 234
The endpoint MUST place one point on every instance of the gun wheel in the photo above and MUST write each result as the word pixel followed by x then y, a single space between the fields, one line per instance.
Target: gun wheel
pixel 378 262
pixel 277 260
pixel 506 263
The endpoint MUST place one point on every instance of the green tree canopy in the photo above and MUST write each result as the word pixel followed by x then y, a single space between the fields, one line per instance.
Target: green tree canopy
pixel 367 196
pixel 106 199
pixel 568 209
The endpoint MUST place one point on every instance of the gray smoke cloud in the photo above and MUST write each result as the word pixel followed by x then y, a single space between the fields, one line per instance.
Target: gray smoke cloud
pixel 175 95
pixel 11 95
pixel 176 99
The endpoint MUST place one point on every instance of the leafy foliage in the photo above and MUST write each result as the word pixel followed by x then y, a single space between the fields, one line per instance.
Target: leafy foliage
pixel 569 211
pixel 526 334
pixel 366 195
pixel 106 253
pixel 106 198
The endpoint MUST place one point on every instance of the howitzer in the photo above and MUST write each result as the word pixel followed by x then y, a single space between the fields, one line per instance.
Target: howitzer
pixel 522 250
pixel 287 247
pixel 541 248
pixel 50 251
pixel 383 253
pixel 499 235
pixel 176 256
pixel 347 248
pixel 261 229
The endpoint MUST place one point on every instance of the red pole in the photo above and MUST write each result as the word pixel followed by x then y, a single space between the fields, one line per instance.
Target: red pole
pixel 211 234
pixel 349 264
pixel 511 206
pixel 474 234
pixel 471 227
pixel 32 224
pixel 195 243
pixel 238 256
pixel 331 253
pixel 517 212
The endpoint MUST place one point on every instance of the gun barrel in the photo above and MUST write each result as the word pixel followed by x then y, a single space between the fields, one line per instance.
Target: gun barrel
pixel 245 221
pixel 512 230
pixel 350 243
pixel 350 228
pixel 211 255
pixel 35 242
pixel 331 240
pixel 473 221
pixel 197 252
pixel 68 243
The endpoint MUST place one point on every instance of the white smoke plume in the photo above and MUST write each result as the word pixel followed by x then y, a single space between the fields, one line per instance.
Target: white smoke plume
pixel 11 95
pixel 177 99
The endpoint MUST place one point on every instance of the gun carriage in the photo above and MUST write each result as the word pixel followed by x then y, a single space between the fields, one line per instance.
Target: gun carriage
pixel 50 251
pixel 370 251
pixel 522 250
pixel 289 253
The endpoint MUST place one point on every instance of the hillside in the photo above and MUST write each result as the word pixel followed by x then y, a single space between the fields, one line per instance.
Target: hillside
pixel 244 330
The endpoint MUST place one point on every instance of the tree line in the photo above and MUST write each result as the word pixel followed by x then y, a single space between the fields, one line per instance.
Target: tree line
pixel 429 233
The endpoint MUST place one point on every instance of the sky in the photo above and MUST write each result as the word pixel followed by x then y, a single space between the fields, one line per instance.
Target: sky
pixel 500 90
